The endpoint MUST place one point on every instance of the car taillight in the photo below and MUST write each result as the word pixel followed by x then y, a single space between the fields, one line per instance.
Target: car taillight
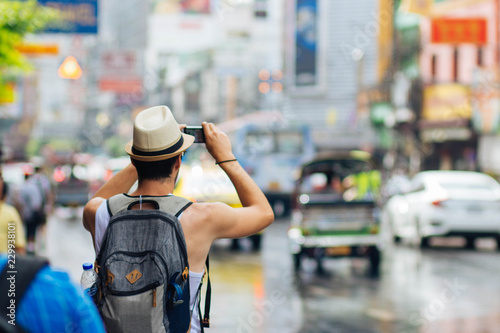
pixel 438 203
pixel 59 175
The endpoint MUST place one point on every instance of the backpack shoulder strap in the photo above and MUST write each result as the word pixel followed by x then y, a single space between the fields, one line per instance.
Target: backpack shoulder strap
pixel 174 205
pixel 171 204
pixel 24 271
pixel 205 319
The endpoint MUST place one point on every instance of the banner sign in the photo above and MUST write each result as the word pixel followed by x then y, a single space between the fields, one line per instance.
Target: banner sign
pixel 459 31
pixel 306 32
pixel 78 16
pixel 444 102
pixel 486 101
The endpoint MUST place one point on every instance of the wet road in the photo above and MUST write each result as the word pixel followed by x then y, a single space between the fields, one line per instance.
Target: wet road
pixel 442 289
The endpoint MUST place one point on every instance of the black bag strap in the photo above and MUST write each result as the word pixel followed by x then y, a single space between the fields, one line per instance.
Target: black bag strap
pixel 205 322
pixel 23 270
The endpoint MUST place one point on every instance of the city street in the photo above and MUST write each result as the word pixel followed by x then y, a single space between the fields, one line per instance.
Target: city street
pixel 442 289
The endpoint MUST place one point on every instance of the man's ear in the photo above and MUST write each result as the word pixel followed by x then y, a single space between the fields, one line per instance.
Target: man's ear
pixel 179 161
pixel 132 161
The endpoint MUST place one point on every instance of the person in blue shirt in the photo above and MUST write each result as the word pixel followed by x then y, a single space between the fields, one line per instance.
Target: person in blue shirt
pixel 53 303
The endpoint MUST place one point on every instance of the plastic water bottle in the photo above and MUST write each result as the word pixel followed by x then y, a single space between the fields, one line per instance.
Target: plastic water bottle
pixel 89 279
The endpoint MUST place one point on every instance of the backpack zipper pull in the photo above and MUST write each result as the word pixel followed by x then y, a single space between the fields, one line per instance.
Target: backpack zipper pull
pixel 154 297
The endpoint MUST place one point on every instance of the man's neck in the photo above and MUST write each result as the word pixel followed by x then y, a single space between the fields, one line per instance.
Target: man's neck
pixel 154 188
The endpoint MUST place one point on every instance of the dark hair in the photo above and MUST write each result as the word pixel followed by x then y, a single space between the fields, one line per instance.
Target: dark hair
pixel 158 170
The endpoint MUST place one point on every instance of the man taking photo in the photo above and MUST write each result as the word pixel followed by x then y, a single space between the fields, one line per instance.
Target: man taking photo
pixel 156 150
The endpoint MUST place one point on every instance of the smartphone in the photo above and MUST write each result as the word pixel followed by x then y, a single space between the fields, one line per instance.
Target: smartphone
pixel 197 132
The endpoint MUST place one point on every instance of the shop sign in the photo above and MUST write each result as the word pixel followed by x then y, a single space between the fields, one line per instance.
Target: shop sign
pixel 446 102
pixel 445 134
pixel 486 102
pixel 38 48
pixel 78 16
pixel 459 31
pixel 129 86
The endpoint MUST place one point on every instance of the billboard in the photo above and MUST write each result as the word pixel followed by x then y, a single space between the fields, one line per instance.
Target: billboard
pixel 306 32
pixel 78 16
pixel 459 31
pixel 306 47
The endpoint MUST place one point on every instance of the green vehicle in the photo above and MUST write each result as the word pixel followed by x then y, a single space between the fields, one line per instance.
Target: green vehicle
pixel 335 210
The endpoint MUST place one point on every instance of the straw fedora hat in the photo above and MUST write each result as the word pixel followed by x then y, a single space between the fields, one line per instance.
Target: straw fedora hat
pixel 157 136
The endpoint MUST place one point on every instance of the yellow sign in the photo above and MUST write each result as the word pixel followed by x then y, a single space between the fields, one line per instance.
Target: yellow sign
pixel 70 69
pixel 30 48
pixel 422 7
pixel 446 102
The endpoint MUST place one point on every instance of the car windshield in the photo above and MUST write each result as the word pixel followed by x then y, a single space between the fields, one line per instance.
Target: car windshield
pixel 341 180
pixel 467 186
pixel 270 142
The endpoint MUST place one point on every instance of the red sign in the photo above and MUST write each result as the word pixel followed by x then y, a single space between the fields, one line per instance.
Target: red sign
pixel 459 31
pixel 120 85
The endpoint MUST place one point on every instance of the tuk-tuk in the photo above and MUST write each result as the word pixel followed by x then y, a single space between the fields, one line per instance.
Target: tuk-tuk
pixel 335 209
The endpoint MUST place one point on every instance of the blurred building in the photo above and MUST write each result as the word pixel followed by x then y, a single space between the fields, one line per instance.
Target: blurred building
pixel 205 56
pixel 337 53
pixel 445 95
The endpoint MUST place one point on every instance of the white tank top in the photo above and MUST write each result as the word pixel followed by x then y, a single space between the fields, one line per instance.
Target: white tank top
pixel 101 223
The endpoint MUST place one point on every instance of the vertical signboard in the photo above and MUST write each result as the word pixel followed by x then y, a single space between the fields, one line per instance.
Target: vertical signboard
pixel 305 57
pixel 486 101
pixel 306 32
pixel 78 16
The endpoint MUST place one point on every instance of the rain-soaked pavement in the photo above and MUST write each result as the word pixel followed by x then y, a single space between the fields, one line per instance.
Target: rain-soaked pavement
pixel 442 289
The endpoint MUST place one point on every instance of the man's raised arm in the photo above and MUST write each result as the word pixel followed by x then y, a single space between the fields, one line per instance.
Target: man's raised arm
pixel 256 213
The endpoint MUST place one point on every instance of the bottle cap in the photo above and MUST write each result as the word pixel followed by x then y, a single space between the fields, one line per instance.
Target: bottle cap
pixel 87 266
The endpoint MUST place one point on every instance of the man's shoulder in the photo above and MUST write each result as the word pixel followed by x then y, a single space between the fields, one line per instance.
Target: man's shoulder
pixel 204 211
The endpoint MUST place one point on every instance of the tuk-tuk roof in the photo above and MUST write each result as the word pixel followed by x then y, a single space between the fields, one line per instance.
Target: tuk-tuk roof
pixel 352 155
pixel 340 155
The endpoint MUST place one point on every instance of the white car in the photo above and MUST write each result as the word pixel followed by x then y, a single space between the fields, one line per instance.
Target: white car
pixel 446 203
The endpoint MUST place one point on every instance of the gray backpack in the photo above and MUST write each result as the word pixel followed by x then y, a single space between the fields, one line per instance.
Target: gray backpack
pixel 143 267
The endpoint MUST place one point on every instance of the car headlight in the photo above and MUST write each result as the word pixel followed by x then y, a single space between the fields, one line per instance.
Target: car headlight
pixel 296 235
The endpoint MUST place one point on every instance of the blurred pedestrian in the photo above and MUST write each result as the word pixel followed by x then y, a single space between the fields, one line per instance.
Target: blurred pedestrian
pixel 156 154
pixel 44 299
pixel 45 187
pixel 31 199
pixel 11 226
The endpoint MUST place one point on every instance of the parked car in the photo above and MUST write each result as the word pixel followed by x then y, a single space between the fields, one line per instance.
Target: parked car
pixel 446 203
pixel 72 187
pixel 335 209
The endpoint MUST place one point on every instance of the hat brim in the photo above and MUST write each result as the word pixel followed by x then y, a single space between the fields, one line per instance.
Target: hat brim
pixel 188 141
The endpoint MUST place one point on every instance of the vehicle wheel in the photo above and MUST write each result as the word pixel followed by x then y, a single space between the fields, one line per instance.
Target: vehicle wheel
pixel 470 243
pixel 374 257
pixel 256 241
pixel 424 242
pixel 297 261
pixel 396 239
pixel 320 269
pixel 497 239
pixel 279 208
pixel 235 245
